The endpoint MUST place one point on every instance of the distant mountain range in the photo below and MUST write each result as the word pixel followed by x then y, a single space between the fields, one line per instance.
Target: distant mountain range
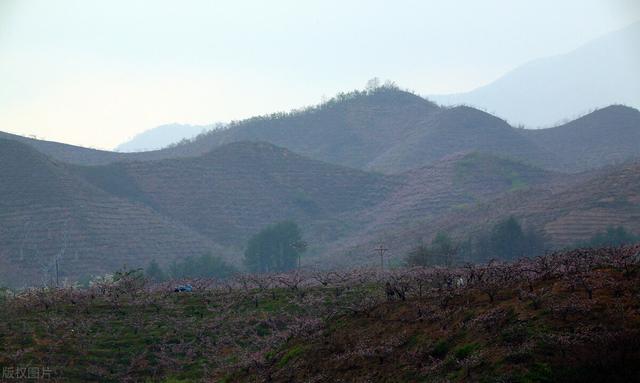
pixel 543 92
pixel 363 167
pixel 163 136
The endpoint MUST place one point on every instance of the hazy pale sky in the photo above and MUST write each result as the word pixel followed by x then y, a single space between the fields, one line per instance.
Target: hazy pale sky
pixel 95 73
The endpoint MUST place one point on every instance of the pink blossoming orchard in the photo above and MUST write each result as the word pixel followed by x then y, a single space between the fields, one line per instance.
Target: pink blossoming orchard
pixel 467 323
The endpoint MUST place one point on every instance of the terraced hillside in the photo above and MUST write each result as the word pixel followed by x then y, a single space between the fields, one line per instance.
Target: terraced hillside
pixel 609 200
pixel 573 215
pixel 237 189
pixel 457 130
pixel 47 212
pixel 350 130
pixel 113 213
pixel 566 210
pixel 98 218
pixel 66 153
pixel 452 185
pixel 393 131
pixel 607 136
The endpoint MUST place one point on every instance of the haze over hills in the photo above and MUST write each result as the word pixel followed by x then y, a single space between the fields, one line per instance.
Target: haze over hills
pixel 162 136
pixel 543 92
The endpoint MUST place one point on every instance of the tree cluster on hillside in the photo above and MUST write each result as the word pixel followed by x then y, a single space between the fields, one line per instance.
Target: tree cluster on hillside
pixel 442 251
pixel 612 236
pixel 204 266
pixel 506 240
pixel 275 248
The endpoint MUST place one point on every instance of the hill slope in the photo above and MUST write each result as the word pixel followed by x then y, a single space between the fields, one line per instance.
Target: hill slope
pixel 66 153
pixel 350 130
pixel 457 130
pixel 606 136
pixel 237 189
pixel 47 212
pixel 455 183
pixel 610 198
pixel 130 212
pixel 565 209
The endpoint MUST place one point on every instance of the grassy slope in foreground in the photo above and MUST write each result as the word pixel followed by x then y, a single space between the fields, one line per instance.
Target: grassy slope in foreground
pixel 563 317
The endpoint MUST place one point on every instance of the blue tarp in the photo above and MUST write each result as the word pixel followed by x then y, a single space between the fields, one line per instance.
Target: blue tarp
pixel 187 288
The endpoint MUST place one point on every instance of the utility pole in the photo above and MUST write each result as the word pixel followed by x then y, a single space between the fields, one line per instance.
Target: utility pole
pixel 300 247
pixel 57 274
pixel 381 249
pixel 62 252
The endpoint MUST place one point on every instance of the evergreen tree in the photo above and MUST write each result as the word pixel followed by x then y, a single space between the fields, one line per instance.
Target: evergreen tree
pixel 442 252
pixel 154 272
pixel 613 236
pixel 420 256
pixel 275 248
pixel 508 241
pixel 204 266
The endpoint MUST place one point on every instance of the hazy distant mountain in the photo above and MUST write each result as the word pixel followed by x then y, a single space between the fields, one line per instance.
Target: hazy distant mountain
pixel 162 136
pixel 392 131
pixel 546 91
